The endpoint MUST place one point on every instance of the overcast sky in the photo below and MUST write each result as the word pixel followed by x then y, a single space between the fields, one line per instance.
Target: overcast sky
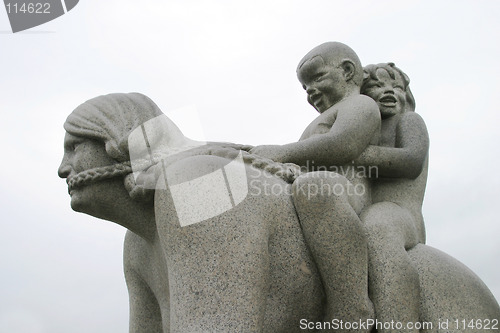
pixel 234 62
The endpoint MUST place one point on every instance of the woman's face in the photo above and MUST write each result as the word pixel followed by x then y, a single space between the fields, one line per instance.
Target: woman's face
pixel 82 154
pixel 389 93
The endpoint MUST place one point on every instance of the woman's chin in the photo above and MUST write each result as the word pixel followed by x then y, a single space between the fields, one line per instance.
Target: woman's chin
pixel 77 202
pixel 101 199
pixel 82 200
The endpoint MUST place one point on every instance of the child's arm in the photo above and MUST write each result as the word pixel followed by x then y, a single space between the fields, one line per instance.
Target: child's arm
pixel 357 121
pixel 407 158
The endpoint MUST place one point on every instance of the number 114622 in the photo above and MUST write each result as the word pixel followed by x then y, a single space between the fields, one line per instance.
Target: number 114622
pixel 30 8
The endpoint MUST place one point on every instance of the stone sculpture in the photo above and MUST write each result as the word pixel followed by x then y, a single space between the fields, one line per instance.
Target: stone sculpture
pixel 210 248
pixel 331 74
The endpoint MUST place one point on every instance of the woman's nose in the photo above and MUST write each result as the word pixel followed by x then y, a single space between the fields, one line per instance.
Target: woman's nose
pixel 64 169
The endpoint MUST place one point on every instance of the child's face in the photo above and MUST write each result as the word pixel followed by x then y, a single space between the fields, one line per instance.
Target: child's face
pixel 325 84
pixel 388 93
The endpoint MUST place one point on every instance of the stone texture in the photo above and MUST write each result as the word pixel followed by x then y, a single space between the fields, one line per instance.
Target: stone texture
pixel 451 291
pixel 267 244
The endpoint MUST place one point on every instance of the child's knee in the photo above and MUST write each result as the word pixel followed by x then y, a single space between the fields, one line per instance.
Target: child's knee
pixel 321 186
pixel 390 221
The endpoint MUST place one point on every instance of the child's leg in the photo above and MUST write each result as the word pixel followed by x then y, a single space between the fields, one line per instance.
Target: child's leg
pixel 394 284
pixel 336 238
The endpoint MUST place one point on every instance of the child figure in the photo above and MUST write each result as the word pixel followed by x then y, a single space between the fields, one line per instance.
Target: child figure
pixel 328 208
pixel 394 221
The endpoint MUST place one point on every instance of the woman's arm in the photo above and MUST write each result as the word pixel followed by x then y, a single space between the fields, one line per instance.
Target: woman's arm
pixel 145 314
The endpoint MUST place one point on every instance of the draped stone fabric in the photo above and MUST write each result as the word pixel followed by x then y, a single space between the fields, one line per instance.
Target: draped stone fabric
pixel 111 118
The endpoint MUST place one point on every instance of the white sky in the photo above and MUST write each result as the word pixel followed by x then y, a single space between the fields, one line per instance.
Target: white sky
pixel 235 62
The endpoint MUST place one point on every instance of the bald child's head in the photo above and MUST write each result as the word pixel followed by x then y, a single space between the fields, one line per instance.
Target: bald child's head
pixel 329 73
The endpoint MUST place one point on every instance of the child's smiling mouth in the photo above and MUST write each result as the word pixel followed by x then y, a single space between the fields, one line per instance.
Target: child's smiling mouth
pixel 388 101
pixel 316 99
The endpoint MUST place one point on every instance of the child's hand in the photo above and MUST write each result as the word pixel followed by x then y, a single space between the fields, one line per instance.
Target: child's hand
pixel 272 152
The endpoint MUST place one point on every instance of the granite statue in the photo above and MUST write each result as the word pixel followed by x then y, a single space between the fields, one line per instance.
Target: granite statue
pixel 211 248
pixel 394 222
pixel 331 74
pixel 240 271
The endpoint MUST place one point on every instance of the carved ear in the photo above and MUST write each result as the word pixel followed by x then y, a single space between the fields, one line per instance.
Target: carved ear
pixel 349 69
